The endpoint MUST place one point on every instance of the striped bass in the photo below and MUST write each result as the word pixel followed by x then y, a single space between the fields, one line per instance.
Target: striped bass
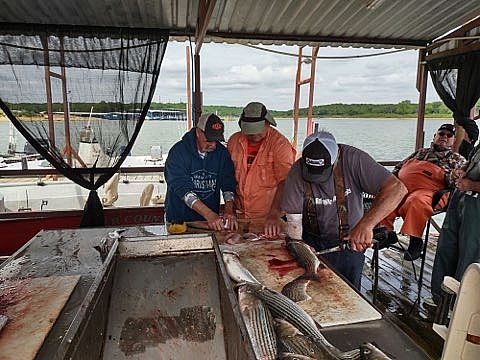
pixel 235 269
pixel 291 356
pixel 283 308
pixel 296 290
pixel 259 323
pixel 292 341
pixel 368 351
pixel 304 255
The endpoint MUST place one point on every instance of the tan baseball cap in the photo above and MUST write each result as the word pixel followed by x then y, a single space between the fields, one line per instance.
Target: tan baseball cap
pixel 252 120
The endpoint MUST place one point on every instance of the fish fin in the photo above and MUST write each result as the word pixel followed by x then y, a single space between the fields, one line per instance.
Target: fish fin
pixel 229 251
pixel 354 354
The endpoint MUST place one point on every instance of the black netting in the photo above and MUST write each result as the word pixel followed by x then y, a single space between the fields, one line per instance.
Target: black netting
pixel 457 81
pixel 101 84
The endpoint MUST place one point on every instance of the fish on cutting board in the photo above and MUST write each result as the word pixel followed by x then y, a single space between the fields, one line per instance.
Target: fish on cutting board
pixel 235 269
pixel 304 255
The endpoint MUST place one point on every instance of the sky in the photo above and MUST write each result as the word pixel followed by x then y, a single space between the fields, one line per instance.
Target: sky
pixel 235 75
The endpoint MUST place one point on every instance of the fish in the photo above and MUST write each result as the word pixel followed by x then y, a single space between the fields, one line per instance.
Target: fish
pixel 304 255
pixel 253 237
pixel 233 238
pixel 368 351
pixel 296 290
pixel 291 356
pixel 235 269
pixel 3 321
pixel 283 308
pixel 259 324
pixel 293 341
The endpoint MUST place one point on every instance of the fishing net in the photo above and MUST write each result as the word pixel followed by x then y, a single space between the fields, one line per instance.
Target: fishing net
pixel 457 81
pixel 80 96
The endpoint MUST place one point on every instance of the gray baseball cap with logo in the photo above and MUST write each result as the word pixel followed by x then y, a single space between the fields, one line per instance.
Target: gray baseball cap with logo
pixel 320 151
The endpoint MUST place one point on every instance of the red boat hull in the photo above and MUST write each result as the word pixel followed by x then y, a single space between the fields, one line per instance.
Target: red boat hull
pixel 18 228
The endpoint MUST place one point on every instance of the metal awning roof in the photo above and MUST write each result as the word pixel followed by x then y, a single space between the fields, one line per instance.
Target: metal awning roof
pixel 367 23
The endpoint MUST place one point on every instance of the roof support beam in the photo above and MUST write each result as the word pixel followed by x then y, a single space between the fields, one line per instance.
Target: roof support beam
pixel 462 43
pixel 411 43
pixel 422 75
pixel 205 11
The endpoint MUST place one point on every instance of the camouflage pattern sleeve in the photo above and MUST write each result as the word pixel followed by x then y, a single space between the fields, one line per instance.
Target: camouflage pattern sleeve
pixel 456 161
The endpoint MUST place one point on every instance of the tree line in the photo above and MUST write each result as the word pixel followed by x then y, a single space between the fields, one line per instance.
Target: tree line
pixel 402 109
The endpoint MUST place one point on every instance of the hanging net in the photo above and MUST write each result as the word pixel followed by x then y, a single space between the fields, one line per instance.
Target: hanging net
pixel 80 96
pixel 457 81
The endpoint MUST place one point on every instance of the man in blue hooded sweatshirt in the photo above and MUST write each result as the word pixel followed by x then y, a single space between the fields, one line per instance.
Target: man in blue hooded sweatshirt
pixel 198 167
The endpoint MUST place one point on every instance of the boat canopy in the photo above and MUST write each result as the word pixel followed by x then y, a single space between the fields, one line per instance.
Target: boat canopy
pixel 58 53
pixel 357 23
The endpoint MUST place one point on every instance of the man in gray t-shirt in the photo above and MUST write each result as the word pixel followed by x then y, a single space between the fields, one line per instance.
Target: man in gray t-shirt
pixel 311 180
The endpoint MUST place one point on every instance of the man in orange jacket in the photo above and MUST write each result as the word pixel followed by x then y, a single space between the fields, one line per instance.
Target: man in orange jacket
pixel 424 172
pixel 262 158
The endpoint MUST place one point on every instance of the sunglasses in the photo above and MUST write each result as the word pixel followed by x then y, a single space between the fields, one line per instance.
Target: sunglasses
pixel 447 134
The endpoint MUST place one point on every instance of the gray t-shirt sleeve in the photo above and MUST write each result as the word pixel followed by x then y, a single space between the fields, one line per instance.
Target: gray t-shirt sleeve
pixel 370 175
pixel 292 199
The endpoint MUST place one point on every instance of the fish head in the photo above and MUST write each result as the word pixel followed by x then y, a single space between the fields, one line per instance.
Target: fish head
pixel 369 351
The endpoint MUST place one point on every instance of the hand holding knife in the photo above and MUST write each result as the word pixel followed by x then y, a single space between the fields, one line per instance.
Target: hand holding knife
pixel 380 237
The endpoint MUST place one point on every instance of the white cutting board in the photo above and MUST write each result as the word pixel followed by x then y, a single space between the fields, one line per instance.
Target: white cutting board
pixel 333 301
pixel 32 306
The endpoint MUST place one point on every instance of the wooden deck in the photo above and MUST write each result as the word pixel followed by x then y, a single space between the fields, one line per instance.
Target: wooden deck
pixel 398 293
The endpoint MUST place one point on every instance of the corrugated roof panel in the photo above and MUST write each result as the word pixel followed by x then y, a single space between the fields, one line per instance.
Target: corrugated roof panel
pixel 331 22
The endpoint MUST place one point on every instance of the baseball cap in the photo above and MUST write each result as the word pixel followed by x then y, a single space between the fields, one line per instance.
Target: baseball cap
pixel 320 151
pixel 212 127
pixel 448 127
pixel 252 120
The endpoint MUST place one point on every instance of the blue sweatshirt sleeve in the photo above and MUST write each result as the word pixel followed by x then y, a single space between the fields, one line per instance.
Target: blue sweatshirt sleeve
pixel 228 171
pixel 177 172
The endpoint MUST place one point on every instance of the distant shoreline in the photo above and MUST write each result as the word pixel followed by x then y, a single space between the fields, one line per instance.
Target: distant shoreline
pixel 232 118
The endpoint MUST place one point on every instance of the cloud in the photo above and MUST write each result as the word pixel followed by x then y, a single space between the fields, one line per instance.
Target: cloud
pixel 235 74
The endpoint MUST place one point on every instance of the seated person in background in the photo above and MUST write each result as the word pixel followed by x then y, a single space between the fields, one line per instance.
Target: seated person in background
pixel 459 241
pixel 325 185
pixel 424 172
pixel 197 168
pixel 262 158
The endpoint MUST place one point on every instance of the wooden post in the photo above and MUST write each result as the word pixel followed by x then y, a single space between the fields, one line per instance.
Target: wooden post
pixel 422 74
pixel 66 111
pixel 297 98
pixel 312 88
pixel 198 94
pixel 48 88
pixel 189 91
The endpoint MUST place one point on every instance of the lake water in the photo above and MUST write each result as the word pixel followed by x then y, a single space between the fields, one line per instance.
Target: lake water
pixel 383 139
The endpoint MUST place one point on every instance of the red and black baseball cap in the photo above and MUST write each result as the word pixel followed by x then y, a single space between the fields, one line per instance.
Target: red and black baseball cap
pixel 212 126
